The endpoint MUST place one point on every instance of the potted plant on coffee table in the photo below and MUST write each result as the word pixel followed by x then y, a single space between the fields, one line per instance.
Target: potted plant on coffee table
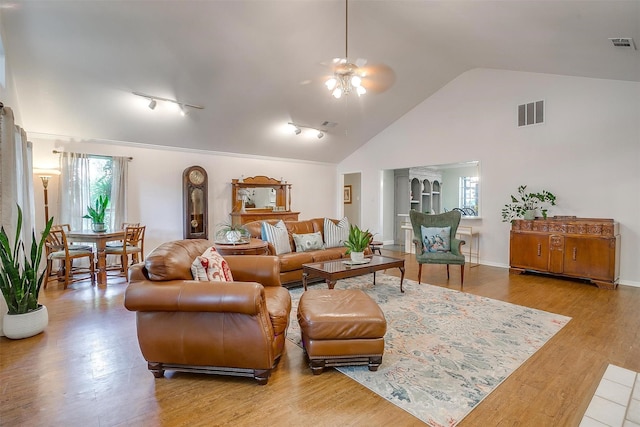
pixel 20 283
pixel 357 241
pixel 97 213
pixel 524 204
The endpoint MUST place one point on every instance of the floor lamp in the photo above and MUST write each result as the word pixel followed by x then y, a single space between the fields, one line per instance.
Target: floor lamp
pixel 45 175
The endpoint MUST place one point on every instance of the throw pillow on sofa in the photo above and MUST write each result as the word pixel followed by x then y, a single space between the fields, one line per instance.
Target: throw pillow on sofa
pixel 277 235
pixel 335 234
pixel 211 266
pixel 308 242
pixel 436 239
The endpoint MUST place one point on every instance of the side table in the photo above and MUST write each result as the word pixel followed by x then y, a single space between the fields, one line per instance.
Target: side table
pixel 254 247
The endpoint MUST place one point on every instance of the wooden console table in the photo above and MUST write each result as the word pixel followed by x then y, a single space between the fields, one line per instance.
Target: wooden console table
pixel 240 218
pixel 586 248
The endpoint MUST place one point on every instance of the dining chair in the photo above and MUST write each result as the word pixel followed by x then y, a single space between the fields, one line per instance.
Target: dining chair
pixel 133 244
pixel 58 248
pixel 435 240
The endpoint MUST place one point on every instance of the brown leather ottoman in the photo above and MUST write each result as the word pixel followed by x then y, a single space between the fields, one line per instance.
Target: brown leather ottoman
pixel 341 327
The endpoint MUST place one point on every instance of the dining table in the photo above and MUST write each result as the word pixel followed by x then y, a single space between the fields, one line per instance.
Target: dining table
pixel 100 239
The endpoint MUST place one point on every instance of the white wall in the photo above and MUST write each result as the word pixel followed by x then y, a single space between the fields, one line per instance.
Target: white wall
pixel 155 183
pixel 587 152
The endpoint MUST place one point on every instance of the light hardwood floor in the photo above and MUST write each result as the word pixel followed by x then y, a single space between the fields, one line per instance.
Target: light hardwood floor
pixel 86 368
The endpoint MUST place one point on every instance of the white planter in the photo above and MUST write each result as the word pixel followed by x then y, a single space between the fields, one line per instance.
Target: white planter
pixel 357 256
pixel 530 214
pixel 16 326
pixel 233 236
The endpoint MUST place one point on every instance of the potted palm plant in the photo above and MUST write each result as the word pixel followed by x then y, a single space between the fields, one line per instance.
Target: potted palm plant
pixel 97 213
pixel 357 242
pixel 524 204
pixel 20 283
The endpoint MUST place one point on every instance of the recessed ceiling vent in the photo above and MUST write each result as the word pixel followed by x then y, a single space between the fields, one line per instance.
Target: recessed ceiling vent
pixel 328 124
pixel 623 42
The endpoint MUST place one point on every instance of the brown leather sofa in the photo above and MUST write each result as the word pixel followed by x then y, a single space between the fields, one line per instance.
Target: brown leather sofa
pixel 291 263
pixel 233 328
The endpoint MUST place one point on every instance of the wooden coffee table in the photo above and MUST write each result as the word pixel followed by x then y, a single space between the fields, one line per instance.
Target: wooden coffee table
pixel 332 271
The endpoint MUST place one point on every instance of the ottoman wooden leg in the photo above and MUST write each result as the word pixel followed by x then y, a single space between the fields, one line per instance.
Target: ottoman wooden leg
pixel 374 362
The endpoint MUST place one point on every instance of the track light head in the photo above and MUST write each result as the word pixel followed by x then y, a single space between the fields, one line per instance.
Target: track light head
pixel 295 128
pixel 153 104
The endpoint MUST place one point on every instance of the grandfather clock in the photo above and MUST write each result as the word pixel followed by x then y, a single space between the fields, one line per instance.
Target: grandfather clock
pixel 194 202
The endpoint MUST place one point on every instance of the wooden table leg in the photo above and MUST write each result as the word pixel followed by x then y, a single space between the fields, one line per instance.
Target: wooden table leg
pixel 304 280
pixel 374 278
pixel 331 283
pixel 401 278
pixel 101 246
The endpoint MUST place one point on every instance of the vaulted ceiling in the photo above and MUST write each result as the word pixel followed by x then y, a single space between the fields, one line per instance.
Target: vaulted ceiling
pixel 256 65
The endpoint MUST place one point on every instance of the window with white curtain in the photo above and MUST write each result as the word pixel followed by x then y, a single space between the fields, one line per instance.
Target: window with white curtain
pixel 86 177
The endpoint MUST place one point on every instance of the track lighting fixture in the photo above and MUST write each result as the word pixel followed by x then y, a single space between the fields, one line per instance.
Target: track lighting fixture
pixel 296 128
pixel 153 102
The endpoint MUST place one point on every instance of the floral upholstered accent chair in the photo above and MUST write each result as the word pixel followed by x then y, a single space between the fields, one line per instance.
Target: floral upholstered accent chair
pixel 435 240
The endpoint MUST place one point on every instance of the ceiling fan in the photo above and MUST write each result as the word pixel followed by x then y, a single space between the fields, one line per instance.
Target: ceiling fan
pixel 356 76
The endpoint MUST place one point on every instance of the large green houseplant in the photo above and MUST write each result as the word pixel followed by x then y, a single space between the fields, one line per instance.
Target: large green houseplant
pixel 20 282
pixel 97 213
pixel 356 243
pixel 524 204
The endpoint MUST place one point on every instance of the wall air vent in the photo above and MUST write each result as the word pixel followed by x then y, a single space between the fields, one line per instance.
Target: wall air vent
pixel 531 113
pixel 623 42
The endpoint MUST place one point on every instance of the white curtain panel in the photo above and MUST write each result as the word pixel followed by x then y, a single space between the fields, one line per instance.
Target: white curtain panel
pixel 73 191
pixel 16 184
pixel 120 167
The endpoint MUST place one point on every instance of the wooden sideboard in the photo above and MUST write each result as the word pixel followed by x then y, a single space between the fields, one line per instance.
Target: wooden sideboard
pixel 586 248
pixel 239 218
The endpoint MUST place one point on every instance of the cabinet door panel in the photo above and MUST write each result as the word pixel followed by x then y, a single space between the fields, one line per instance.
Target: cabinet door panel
pixel 529 251
pixel 592 258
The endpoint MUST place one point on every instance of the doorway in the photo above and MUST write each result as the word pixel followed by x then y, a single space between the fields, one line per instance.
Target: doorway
pixel 352 197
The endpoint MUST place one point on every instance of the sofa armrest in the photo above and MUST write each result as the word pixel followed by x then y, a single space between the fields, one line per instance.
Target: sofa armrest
pixel 255 268
pixel 190 295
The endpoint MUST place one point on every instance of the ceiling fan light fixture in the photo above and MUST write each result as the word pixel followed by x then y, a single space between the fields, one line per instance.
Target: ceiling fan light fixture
pixel 361 90
pixel 356 81
pixel 331 83
pixel 337 93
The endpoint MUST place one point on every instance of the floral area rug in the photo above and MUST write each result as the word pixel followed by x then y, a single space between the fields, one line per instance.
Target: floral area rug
pixel 445 350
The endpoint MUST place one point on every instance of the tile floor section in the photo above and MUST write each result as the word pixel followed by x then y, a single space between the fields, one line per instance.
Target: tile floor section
pixel 616 402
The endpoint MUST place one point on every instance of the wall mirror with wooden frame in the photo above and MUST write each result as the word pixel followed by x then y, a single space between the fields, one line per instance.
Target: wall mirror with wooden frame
pixel 260 197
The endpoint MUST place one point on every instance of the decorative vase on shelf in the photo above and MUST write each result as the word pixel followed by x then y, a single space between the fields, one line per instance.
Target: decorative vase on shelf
pixel 357 256
pixel 529 214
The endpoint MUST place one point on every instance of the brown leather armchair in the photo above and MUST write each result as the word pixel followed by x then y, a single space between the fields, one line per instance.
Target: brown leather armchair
pixel 235 328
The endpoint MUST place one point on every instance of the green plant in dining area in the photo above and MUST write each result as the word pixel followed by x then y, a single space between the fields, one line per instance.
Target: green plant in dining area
pixel 524 204
pixel 97 213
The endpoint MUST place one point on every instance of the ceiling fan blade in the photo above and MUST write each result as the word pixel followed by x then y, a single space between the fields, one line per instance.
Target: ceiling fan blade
pixel 377 78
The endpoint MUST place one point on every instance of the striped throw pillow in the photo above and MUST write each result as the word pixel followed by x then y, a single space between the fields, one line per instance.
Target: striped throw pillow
pixel 277 235
pixel 335 234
